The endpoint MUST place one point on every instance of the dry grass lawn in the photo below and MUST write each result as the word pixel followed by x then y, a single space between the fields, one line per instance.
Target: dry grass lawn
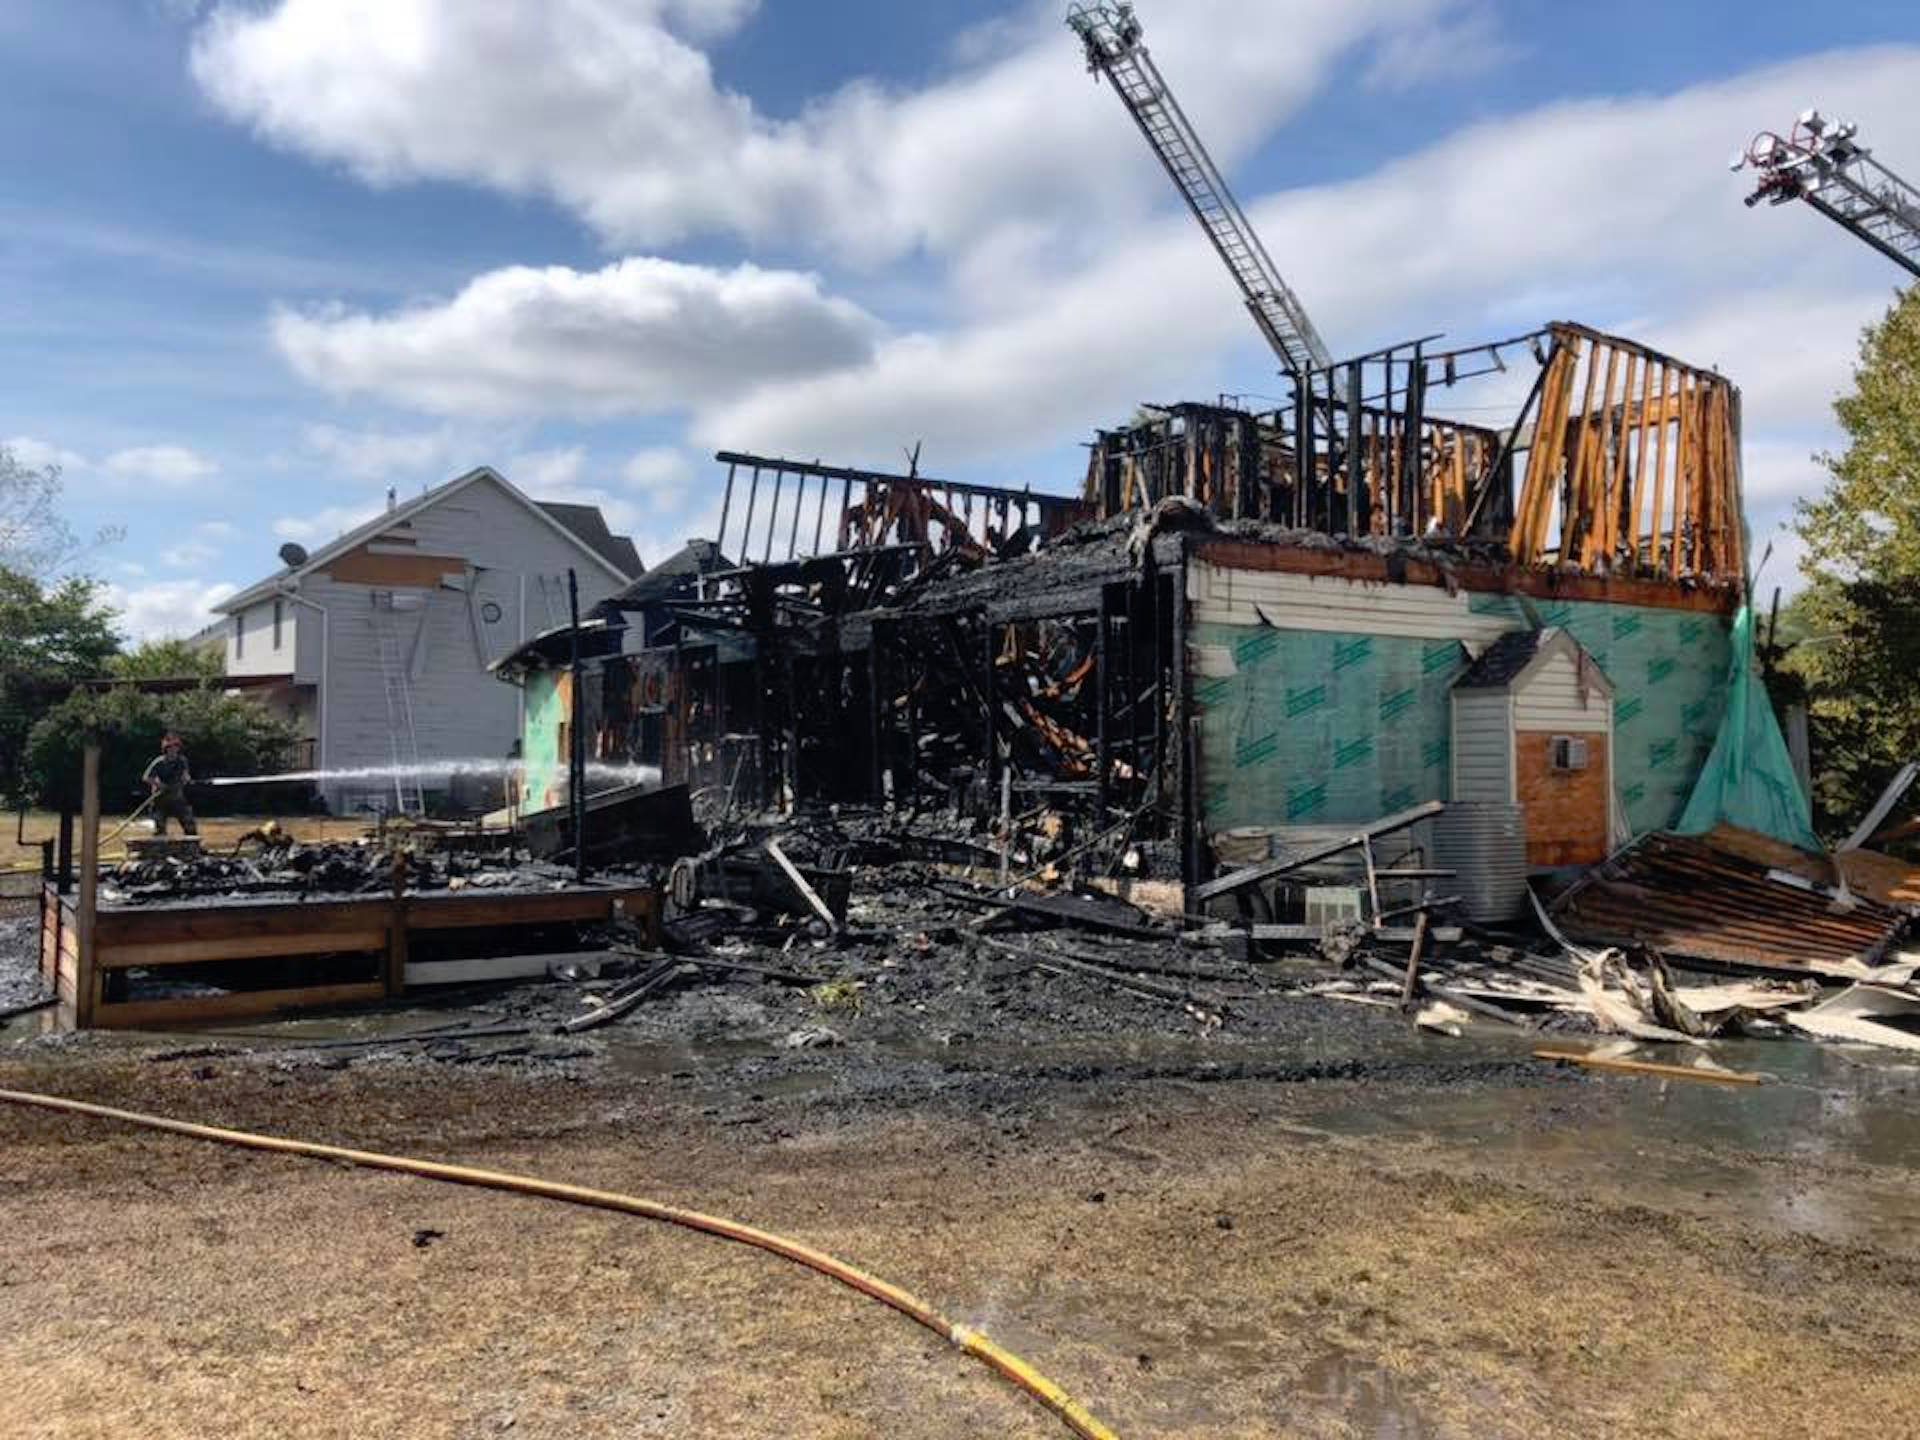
pixel 1190 1262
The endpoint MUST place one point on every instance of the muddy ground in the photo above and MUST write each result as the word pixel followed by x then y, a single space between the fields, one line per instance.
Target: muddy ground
pixel 1308 1221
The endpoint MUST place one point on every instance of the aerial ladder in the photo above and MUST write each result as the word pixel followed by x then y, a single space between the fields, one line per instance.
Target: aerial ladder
pixel 1824 164
pixel 1111 34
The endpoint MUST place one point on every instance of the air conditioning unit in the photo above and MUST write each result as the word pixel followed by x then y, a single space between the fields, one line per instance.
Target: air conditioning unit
pixel 1570 752
pixel 1330 905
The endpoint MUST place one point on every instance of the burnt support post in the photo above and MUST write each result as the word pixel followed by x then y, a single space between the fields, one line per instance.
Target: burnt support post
pixel 63 859
pixel 1386 466
pixel 1130 661
pixel 1157 586
pixel 86 975
pixel 791 715
pixel 1358 520
pixel 773 516
pixel 1414 451
pixel 1103 697
pixel 577 734
pixel 878 786
pixel 1182 729
pixel 746 521
pixel 1302 449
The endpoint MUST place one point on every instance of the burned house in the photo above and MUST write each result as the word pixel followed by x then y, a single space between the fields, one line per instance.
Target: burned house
pixel 1245 624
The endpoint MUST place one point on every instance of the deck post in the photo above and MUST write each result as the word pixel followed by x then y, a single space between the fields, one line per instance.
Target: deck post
pixel 86 975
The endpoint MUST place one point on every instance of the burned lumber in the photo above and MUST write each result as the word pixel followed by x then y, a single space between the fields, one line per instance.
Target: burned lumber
pixel 627 998
pixel 1648 1068
pixel 1053 963
pixel 1271 869
pixel 799 883
pixel 433 1036
pixel 1412 980
pixel 738 967
pixel 1112 917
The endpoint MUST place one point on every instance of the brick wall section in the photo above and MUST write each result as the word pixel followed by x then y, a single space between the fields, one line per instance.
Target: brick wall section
pixel 1566 810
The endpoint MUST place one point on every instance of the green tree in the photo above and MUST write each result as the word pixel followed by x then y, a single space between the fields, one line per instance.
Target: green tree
pixel 1857 623
pixel 168 660
pixel 50 636
pixel 225 735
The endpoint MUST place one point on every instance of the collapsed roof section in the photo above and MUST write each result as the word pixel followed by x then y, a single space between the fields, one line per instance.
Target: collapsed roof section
pixel 1619 461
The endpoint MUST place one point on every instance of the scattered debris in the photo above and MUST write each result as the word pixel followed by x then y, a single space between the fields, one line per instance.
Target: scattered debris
pixel 1866 1014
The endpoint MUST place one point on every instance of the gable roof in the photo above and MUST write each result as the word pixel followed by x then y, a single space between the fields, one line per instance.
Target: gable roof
pixel 1506 663
pixel 672 578
pixel 399 515
pixel 590 526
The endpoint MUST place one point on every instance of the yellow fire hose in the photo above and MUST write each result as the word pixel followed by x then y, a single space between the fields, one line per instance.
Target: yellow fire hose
pixel 971 1341
pixel 138 811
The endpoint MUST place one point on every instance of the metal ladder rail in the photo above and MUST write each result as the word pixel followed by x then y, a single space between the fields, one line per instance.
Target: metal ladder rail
pixel 1876 204
pixel 404 740
pixel 1138 82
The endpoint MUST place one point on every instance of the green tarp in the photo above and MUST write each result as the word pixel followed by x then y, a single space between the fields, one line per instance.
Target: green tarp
pixel 1748 779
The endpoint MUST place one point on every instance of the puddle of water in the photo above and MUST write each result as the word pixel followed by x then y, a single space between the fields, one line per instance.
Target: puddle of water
pixel 1372 1400
pixel 1823 1106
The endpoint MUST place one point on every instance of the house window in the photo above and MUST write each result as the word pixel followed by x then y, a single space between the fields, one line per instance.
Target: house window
pixel 279 614
pixel 1569 752
pixel 239 636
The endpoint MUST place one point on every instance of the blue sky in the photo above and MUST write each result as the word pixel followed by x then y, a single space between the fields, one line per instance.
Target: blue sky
pixel 260 261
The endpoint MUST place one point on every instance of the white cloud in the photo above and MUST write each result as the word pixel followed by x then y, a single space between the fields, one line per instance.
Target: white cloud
pixel 168 608
pixel 610 107
pixel 39 454
pixel 541 472
pixel 188 555
pixel 204 544
pixel 166 465
pixel 638 336
pixel 169 466
pixel 379 455
pixel 1777 471
pixel 660 472
pixel 320 526
pixel 1446 45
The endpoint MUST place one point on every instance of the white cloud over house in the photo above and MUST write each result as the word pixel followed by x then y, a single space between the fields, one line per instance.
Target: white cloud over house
pixel 639 336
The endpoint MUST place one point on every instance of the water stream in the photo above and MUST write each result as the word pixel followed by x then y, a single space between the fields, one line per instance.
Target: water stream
pixel 600 776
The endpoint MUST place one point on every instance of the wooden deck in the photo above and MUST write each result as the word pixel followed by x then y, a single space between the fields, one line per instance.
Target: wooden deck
pixel 359 946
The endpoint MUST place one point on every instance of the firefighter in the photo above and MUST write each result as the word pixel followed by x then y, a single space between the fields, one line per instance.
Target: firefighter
pixel 167 776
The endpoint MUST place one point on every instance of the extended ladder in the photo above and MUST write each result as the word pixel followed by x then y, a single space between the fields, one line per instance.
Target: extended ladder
pixel 1111 35
pixel 408 799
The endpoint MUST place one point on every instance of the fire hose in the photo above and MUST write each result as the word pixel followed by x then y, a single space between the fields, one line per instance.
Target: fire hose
pixel 1007 1364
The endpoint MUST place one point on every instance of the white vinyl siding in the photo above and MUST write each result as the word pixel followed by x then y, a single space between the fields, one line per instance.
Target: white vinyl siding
pixel 1483 746
pixel 1550 699
pixel 1354 607
pixel 258 646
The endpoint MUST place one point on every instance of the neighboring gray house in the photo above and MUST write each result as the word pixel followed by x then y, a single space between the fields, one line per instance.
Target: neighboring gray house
pixel 383 638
